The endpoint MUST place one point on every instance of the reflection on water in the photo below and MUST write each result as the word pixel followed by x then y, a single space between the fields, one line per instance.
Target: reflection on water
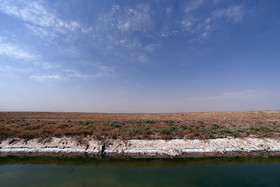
pixel 45 171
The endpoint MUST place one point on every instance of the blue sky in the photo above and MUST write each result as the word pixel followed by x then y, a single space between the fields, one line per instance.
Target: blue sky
pixel 139 56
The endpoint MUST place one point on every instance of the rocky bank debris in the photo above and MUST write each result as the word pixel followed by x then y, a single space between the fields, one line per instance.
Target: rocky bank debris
pixel 181 148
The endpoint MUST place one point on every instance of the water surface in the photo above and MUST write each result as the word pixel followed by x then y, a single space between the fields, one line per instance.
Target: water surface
pixel 44 171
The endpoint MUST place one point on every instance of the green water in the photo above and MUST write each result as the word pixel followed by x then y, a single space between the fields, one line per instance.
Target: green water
pixel 138 172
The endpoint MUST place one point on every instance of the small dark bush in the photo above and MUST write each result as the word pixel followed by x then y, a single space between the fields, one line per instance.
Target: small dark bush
pixel 116 124
pixel 264 128
pixel 149 121
pixel 254 128
pixel 138 130
pixel 170 122
pixel 214 126
pixel 201 122
pixel 224 129
pixel 172 128
pixel 184 127
pixel 166 131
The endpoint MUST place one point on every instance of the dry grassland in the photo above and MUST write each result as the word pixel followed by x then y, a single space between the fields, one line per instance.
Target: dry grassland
pixel 203 125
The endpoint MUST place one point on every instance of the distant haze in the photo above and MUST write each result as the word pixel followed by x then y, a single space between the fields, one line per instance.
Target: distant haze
pixel 139 56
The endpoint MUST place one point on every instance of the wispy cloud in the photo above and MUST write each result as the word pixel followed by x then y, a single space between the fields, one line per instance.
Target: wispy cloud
pixel 36 14
pixel 128 19
pixel 103 71
pixel 204 25
pixel 121 29
pixel 226 96
pixel 229 101
pixel 46 77
pixel 234 13
pixel 13 50
pixel 45 23
pixel 13 69
pixel 192 5
pixel 97 71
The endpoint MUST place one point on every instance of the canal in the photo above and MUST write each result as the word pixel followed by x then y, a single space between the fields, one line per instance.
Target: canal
pixel 83 172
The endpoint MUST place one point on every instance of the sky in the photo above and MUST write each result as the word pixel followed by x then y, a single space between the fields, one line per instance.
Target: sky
pixel 139 56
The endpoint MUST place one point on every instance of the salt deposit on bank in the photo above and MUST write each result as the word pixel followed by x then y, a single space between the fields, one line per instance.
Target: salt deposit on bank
pixel 143 148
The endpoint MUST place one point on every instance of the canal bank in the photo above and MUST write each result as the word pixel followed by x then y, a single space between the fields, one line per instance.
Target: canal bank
pixel 134 148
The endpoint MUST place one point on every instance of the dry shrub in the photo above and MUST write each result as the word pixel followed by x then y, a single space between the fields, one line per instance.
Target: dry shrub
pixel 100 126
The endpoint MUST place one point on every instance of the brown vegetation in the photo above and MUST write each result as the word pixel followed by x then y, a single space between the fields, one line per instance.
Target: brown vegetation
pixel 30 125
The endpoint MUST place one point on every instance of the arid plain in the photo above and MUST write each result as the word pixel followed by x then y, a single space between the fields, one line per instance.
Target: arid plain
pixel 201 125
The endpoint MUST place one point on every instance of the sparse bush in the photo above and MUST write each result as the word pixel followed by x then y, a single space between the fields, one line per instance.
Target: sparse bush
pixel 224 129
pixel 138 130
pixel 154 130
pixel 116 124
pixel 149 132
pixel 63 126
pixel 107 124
pixel 149 121
pixel 254 128
pixel 166 131
pixel 196 128
pixel 172 128
pixel 170 122
pixel 241 130
pixel 214 126
pixel 184 127
pixel 264 128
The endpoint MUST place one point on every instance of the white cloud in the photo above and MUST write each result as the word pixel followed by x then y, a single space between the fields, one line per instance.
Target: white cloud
pixel 13 69
pixel 192 5
pixel 190 24
pixel 71 73
pixel 68 74
pixel 226 96
pixel 234 13
pixel 142 59
pixel 127 19
pixel 47 77
pixel 169 11
pixel 103 71
pixel 38 18
pixel 12 50
pixel 229 101
pixel 79 75
pixel 41 32
pixel 87 29
pixel 232 101
pixel 203 26
pixel 113 33
pixel 34 12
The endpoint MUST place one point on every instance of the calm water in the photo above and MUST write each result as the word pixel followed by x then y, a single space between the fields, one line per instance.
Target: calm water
pixel 139 172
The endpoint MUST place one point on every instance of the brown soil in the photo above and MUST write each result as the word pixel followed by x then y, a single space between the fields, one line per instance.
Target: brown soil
pixel 201 125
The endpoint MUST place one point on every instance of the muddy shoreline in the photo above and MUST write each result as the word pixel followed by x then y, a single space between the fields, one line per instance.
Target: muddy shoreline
pixel 116 148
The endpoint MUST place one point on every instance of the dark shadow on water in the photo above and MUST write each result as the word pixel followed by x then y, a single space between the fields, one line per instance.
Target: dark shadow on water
pixel 134 162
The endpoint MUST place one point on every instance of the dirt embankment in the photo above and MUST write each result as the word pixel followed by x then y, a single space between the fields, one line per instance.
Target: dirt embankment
pixel 176 148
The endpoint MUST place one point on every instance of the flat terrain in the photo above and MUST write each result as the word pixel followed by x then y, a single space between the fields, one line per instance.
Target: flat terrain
pixel 203 125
